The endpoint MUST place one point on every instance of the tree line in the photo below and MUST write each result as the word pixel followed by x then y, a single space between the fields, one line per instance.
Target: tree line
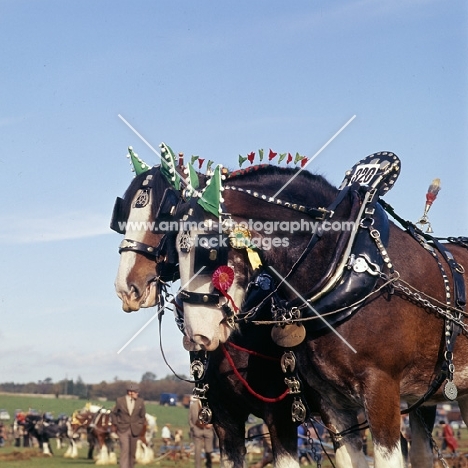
pixel 151 388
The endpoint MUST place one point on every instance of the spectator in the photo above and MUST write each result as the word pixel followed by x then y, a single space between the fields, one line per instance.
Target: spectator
pixel 128 415
pixel 166 434
pixel 202 434
pixel 450 442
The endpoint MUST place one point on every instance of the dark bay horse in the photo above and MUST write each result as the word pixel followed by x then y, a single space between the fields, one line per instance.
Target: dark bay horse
pixel 137 273
pixel 44 429
pixel 392 331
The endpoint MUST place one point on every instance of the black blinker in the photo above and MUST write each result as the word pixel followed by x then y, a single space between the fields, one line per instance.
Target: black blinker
pixel 119 216
pixel 169 204
pixel 211 252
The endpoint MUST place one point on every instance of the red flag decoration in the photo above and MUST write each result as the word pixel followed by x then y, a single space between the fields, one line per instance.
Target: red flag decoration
pixel 271 155
pixel 200 162
pixel 304 161
pixel 251 157
pixel 290 158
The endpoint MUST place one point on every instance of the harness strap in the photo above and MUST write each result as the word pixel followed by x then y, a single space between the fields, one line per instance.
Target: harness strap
pixel 199 298
pixel 128 245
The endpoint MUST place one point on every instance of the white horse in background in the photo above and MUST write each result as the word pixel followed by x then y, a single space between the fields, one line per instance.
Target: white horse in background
pixel 144 452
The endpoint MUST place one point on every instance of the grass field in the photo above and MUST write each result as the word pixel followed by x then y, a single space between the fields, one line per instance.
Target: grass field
pixel 175 415
pixel 11 457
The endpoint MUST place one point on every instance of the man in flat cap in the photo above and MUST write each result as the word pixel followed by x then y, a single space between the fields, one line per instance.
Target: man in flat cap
pixel 129 416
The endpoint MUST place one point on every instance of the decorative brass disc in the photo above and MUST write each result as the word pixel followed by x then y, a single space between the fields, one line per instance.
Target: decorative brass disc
pixel 450 390
pixel 288 336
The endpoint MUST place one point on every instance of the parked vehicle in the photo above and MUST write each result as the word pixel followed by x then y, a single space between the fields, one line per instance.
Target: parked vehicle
pixel 168 399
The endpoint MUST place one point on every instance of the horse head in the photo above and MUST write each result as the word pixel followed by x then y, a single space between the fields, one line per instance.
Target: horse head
pixel 146 257
pixel 203 249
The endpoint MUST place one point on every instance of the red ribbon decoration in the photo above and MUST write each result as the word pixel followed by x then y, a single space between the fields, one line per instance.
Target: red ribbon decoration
pixel 222 280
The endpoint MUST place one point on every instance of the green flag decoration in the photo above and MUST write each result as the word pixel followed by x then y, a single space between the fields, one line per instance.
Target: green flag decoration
pixel 191 181
pixel 242 160
pixel 168 166
pixel 210 198
pixel 139 166
pixel 208 167
pixel 298 158
pixel 282 156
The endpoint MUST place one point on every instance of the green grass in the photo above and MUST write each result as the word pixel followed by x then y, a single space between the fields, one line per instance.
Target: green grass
pixel 175 415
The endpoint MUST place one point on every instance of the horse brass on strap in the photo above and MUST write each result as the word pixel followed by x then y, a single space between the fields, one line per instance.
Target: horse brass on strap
pixel 288 362
pixel 205 415
pixel 197 369
pixel 288 336
pixel 185 242
pixel 450 390
pixel 298 411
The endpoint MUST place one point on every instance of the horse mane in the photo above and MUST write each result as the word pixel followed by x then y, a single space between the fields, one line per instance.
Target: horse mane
pixel 305 185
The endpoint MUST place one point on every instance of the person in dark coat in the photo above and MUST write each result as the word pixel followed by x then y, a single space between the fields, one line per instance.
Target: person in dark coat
pixel 129 417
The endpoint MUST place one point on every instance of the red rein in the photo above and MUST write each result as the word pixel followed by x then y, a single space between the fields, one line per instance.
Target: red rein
pixel 244 382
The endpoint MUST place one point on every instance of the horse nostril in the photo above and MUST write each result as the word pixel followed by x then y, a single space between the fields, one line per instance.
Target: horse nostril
pixel 134 291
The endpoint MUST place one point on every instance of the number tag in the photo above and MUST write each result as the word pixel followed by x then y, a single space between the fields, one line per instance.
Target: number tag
pixel 364 173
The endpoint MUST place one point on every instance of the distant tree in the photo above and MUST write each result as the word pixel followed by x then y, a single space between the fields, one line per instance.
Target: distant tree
pixel 80 389
pixel 148 377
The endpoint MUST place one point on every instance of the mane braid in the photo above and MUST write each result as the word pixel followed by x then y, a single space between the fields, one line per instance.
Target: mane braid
pixel 304 185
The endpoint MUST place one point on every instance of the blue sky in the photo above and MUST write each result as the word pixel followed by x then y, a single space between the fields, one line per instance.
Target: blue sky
pixel 216 79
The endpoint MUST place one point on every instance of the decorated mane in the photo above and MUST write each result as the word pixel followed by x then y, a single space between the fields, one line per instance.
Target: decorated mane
pixel 256 175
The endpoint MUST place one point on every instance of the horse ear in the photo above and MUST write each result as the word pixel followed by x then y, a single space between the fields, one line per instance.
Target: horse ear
pixel 139 166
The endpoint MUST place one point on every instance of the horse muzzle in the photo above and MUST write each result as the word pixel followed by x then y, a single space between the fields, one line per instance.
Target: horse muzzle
pixel 133 300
